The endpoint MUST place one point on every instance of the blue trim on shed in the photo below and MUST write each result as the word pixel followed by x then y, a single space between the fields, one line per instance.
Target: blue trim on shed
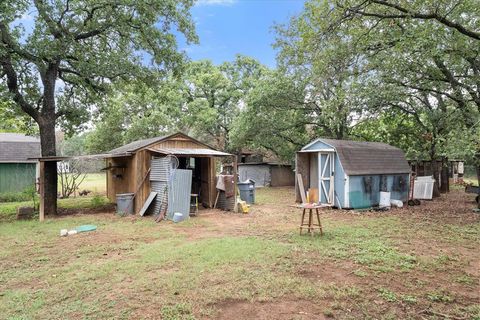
pixel 317 144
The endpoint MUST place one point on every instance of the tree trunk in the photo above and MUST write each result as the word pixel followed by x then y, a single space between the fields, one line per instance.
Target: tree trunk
pixel 47 137
pixel 445 187
pixel 47 140
pixel 434 164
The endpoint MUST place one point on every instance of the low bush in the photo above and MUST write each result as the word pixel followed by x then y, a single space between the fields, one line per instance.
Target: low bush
pixel 98 201
pixel 14 197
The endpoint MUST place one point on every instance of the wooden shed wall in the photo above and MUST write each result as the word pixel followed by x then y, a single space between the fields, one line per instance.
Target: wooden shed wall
pixel 142 178
pixel 178 142
pixel 282 176
pixel 116 185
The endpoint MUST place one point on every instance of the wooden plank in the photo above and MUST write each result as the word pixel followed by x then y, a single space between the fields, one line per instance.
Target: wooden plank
pixel 301 188
pixel 313 195
pixel 302 166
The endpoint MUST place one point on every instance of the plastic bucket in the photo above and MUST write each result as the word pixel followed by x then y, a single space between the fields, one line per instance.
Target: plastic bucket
pixel 177 217
pixel 125 203
pixel 384 199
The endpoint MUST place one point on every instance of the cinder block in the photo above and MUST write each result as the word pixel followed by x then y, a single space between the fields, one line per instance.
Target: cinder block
pixel 25 213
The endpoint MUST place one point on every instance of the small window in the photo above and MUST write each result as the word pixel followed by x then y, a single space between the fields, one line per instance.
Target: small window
pixel 191 163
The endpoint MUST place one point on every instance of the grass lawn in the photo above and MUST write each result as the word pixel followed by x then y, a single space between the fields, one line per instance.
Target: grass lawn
pixel 94 182
pixel 412 263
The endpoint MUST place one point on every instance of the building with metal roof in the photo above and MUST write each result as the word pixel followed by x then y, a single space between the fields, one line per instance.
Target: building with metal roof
pixel 351 174
pixel 145 166
pixel 18 169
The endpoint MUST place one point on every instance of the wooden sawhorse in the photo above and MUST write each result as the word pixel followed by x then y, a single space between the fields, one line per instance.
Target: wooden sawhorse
pixel 311 225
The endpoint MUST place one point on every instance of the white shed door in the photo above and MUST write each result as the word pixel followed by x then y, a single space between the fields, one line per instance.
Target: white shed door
pixel 325 177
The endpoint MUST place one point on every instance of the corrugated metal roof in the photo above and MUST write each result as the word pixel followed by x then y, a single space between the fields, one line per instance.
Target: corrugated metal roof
pixel 191 152
pixel 18 148
pixel 365 158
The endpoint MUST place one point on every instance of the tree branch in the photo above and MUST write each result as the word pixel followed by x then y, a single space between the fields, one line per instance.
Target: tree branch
pixel 13 88
pixel 53 27
pixel 12 46
pixel 407 13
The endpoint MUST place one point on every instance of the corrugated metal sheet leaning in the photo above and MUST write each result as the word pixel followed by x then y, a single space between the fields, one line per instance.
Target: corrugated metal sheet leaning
pixel 179 193
pixel 160 175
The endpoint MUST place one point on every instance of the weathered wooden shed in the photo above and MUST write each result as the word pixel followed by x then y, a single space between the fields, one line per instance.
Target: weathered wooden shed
pixel 129 167
pixel 351 174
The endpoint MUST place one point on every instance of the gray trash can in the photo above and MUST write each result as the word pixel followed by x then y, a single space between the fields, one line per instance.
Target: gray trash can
pixel 125 203
pixel 247 191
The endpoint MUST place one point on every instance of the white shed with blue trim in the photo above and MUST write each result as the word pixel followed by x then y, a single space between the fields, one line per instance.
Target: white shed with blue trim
pixel 351 174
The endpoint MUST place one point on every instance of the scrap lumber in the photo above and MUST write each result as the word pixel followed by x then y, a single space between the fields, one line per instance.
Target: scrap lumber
pixel 301 188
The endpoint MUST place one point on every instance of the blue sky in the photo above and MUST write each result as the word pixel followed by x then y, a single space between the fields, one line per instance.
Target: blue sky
pixel 228 27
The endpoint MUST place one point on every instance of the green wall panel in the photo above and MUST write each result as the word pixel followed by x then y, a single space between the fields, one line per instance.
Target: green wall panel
pixel 16 177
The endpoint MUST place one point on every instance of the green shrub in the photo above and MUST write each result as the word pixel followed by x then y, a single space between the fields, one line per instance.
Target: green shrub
pixel 98 201
pixel 13 197
pixel 29 194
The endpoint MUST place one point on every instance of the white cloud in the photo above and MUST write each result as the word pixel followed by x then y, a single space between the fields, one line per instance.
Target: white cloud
pixel 215 2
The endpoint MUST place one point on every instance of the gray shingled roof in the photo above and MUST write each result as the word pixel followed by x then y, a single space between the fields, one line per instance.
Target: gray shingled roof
pixel 135 145
pixel 18 148
pixel 365 158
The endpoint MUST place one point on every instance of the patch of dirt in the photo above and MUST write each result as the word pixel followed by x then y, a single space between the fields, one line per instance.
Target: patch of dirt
pixel 327 272
pixel 453 207
pixel 284 308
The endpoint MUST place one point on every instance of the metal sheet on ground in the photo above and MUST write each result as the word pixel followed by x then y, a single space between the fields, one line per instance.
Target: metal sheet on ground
pixel 148 202
pixel 179 193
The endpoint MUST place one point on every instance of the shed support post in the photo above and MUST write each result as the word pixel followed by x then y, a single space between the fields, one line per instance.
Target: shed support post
pixel 235 183
pixel 41 190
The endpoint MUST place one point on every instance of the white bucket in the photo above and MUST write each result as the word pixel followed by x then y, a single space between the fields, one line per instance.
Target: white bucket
pixel 396 203
pixel 177 217
pixel 384 199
